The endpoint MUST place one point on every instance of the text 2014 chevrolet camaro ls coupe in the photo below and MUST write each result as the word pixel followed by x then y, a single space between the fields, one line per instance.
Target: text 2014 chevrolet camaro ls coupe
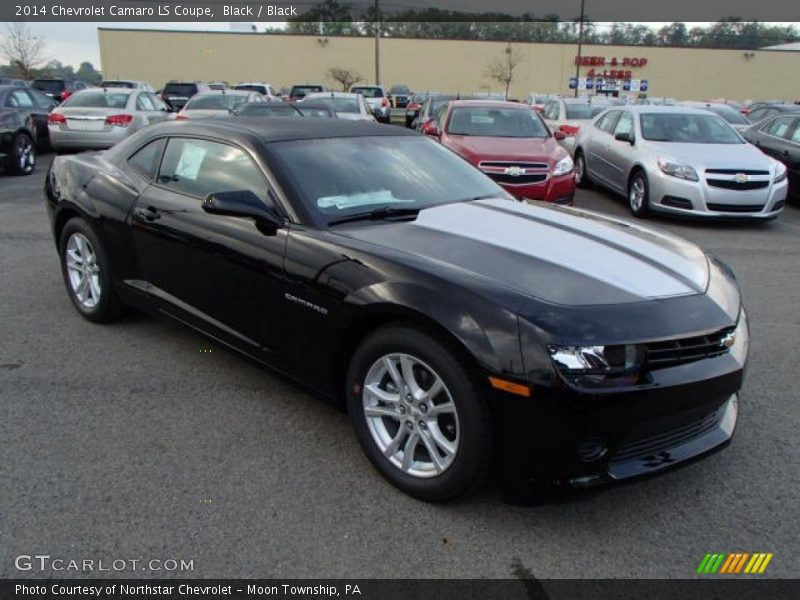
pixel 376 266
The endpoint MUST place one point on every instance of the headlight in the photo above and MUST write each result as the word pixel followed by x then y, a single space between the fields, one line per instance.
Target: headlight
pixel 599 366
pixel 738 341
pixel 677 170
pixel 780 173
pixel 564 166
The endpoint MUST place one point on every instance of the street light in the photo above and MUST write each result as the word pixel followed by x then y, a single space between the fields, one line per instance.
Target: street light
pixel 580 48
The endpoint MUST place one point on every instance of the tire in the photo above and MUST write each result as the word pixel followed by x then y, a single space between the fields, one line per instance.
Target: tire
pixel 581 176
pixel 81 253
pixel 23 154
pixel 639 194
pixel 454 422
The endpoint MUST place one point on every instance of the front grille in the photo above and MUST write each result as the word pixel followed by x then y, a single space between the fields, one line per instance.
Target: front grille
pixel 648 448
pixel 517 179
pixel 736 208
pixel 662 355
pixel 735 172
pixel 730 184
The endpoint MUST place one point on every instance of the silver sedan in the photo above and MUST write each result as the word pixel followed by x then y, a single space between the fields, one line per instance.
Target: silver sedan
pixel 679 160
pixel 98 118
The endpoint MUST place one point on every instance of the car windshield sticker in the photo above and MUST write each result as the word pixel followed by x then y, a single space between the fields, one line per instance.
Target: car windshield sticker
pixel 190 161
pixel 364 199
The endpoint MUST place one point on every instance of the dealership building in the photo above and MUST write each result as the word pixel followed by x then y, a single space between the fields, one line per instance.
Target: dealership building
pixel 453 66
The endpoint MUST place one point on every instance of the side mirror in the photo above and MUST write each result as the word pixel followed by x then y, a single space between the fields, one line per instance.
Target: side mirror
pixel 243 203
pixel 624 137
pixel 559 135
pixel 431 129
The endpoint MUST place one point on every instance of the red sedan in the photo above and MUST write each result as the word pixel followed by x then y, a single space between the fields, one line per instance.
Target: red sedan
pixel 512 145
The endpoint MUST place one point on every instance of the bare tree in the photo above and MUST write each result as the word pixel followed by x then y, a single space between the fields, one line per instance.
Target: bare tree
pixel 345 77
pixel 23 50
pixel 502 68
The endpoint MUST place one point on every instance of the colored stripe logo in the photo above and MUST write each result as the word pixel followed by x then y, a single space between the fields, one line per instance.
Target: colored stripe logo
pixel 735 564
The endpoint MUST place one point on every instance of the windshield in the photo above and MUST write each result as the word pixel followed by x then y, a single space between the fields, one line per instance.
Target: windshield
pixel 267 110
pixel 496 122
pixel 734 117
pixel 180 89
pixel 118 84
pixel 98 99
pixel 687 129
pixel 302 90
pixel 584 111
pixel 345 176
pixel 47 85
pixel 339 104
pixel 215 102
pixel 400 89
pixel 368 92
pixel 260 89
pixel 316 111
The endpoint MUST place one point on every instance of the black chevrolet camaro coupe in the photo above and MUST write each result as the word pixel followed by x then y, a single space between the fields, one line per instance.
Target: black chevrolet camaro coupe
pixel 465 333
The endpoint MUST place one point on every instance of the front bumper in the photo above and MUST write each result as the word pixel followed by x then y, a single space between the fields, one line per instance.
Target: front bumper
pixel 563 439
pixel 699 199
pixel 559 190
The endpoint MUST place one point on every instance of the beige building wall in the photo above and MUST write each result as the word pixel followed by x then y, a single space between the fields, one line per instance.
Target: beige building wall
pixel 436 65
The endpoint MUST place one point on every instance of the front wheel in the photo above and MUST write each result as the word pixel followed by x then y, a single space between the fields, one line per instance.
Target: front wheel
pixel 581 177
pixel 639 195
pixel 418 413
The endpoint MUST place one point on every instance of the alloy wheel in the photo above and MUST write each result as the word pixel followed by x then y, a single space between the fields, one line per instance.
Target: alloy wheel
pixel 25 154
pixel 636 194
pixel 411 415
pixel 83 271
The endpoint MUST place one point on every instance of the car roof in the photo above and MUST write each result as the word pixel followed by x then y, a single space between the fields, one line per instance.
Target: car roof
pixel 116 90
pixel 323 95
pixel 223 93
pixel 656 109
pixel 279 129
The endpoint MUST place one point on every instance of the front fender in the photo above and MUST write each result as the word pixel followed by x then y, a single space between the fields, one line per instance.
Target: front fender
pixel 489 332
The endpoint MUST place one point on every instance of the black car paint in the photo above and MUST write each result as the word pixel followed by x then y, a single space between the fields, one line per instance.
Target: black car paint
pixel 33 117
pixel 299 299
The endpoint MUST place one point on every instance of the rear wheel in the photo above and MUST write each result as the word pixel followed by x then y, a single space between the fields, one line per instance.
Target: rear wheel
pixel 418 413
pixel 639 194
pixel 23 154
pixel 86 272
pixel 581 177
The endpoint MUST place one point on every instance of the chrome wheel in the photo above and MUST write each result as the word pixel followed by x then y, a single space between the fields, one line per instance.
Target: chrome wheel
pixel 25 154
pixel 411 415
pixel 637 194
pixel 579 167
pixel 83 271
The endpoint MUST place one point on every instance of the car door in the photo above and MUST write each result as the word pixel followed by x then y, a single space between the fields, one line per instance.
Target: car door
pixel 221 274
pixel 620 154
pixel 25 103
pixel 773 137
pixel 596 151
pixel 793 155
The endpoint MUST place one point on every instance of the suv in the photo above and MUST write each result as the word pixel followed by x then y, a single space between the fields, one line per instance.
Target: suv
pixel 301 90
pixel 58 89
pixel 262 88
pixel 376 99
pixel 177 93
pixel 400 95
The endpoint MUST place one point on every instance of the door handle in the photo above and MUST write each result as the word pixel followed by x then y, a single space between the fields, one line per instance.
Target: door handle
pixel 149 214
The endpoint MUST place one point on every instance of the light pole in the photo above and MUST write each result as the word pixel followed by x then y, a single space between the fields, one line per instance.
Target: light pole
pixel 580 48
pixel 377 45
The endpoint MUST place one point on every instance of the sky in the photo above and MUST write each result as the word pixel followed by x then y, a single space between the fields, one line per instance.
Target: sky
pixel 73 43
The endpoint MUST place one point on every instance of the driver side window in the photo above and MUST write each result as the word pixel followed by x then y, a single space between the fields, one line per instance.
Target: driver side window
pixel 201 167
pixel 625 124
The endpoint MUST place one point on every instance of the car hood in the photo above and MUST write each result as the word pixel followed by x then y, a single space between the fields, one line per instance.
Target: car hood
pixel 553 254
pixel 479 148
pixel 716 156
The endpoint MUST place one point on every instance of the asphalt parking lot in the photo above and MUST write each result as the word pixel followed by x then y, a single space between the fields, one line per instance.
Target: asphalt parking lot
pixel 143 440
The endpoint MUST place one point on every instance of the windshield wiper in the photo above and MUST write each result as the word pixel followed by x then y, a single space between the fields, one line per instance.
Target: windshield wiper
pixel 387 212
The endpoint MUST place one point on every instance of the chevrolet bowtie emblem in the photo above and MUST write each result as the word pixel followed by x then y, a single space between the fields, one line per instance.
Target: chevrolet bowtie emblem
pixel 514 171
pixel 741 178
